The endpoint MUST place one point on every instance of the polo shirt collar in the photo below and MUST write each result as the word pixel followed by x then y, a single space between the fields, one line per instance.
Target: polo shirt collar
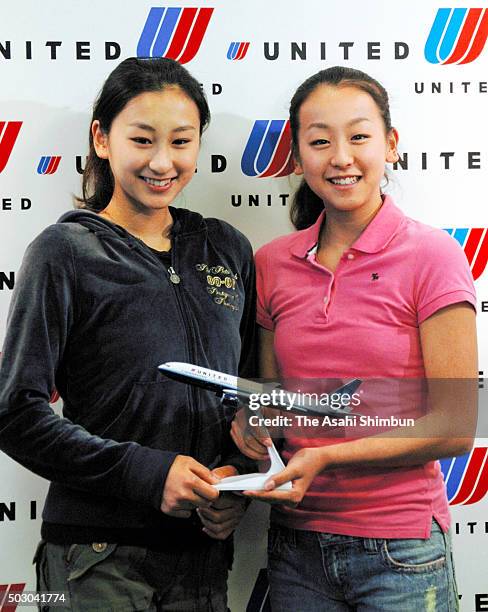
pixel 374 238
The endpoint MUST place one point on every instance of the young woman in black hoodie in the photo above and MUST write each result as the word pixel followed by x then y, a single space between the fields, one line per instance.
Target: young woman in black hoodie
pixel 131 520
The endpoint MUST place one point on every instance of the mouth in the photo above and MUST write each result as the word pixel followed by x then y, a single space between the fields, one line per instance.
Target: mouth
pixel 343 181
pixel 163 183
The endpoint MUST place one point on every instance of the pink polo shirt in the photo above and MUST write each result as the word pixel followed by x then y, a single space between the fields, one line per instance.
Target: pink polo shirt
pixel 361 321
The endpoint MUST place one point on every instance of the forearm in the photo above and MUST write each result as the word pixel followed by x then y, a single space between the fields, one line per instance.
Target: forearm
pixel 432 437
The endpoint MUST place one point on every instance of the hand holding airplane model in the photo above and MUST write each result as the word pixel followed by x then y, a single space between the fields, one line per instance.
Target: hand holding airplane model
pixel 243 391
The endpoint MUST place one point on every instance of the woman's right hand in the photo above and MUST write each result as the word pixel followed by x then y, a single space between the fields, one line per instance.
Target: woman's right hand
pixel 188 486
pixel 251 441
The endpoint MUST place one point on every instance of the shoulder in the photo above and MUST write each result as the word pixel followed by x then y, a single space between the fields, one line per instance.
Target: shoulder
pixel 224 231
pixel 434 245
pixel 278 249
pixel 52 243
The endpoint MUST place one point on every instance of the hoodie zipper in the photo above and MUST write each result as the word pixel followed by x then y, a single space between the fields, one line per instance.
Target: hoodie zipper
pixel 175 280
pixel 173 277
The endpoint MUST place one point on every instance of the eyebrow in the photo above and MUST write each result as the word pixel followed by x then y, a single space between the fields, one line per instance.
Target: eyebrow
pixel 149 128
pixel 324 126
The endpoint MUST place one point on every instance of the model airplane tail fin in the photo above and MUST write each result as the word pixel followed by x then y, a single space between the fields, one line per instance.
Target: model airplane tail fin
pixel 340 404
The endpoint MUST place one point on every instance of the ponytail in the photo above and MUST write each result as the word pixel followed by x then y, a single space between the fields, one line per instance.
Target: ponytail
pixel 306 207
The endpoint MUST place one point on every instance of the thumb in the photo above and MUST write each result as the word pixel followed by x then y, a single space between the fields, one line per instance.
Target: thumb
pixel 276 480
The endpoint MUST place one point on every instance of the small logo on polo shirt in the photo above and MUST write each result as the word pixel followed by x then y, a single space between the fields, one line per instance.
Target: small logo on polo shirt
pixel 375 276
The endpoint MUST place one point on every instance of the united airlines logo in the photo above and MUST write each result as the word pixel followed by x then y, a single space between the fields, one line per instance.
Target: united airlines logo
pixel 48 164
pixel 173 32
pixel 268 150
pixel 466 477
pixel 457 36
pixel 9 130
pixel 475 244
pixel 237 50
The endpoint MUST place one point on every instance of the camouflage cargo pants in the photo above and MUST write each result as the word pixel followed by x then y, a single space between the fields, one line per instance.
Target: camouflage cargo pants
pixel 103 577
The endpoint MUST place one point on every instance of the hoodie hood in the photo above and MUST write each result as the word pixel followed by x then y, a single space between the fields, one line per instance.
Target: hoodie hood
pixel 184 222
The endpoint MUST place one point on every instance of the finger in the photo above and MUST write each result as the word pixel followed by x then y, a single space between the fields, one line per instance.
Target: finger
pixel 219 516
pixel 276 480
pixel 255 444
pixel 217 536
pixel 178 513
pixel 223 503
pixel 261 434
pixel 244 448
pixel 274 497
pixel 224 471
pixel 204 492
pixel 226 527
pixel 243 438
pixel 204 473
pixel 220 531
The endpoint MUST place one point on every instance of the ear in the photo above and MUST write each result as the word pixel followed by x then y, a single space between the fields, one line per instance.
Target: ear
pixel 392 144
pixel 298 166
pixel 100 140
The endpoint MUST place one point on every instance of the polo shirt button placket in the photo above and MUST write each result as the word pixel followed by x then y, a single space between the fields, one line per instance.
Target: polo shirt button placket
pixel 326 305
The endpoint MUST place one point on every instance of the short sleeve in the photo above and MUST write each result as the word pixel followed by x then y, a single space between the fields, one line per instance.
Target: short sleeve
pixel 263 279
pixel 443 276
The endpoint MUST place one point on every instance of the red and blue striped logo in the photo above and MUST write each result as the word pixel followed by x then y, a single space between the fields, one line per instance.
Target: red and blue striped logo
pixel 7 596
pixel 237 50
pixel 268 150
pixel 172 32
pixel 9 130
pixel 475 244
pixel 48 164
pixel 466 477
pixel 457 36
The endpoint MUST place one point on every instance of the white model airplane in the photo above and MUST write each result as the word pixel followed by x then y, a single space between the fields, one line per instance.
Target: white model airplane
pixel 235 389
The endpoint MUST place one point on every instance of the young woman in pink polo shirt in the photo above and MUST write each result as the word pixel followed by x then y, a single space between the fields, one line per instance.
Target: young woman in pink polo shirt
pixel 361 290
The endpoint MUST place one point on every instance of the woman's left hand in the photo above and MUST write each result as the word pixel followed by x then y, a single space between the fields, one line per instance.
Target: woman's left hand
pixel 224 515
pixel 301 470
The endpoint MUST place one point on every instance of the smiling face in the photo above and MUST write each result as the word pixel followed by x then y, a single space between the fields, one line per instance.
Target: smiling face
pixel 152 149
pixel 343 147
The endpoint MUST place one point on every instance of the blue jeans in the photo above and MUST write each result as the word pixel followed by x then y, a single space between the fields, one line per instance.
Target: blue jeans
pixel 311 572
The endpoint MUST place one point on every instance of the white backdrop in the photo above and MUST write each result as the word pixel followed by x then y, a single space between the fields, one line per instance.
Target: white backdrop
pixel 54 57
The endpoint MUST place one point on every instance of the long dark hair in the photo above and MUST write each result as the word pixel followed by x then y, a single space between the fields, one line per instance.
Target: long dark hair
pixel 306 205
pixel 131 78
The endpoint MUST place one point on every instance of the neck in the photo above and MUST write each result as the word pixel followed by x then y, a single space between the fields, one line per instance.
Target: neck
pixel 342 228
pixel 152 227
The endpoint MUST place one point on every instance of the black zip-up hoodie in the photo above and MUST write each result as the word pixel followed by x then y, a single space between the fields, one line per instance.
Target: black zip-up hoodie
pixel 93 314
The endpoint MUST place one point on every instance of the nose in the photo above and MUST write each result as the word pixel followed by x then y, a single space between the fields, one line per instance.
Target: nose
pixel 341 155
pixel 162 161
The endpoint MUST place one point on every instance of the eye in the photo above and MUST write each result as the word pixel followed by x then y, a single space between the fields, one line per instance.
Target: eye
pixel 360 137
pixel 181 141
pixel 141 140
pixel 319 142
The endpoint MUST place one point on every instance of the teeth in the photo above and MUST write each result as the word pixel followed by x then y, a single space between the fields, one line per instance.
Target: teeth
pixel 348 180
pixel 157 183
